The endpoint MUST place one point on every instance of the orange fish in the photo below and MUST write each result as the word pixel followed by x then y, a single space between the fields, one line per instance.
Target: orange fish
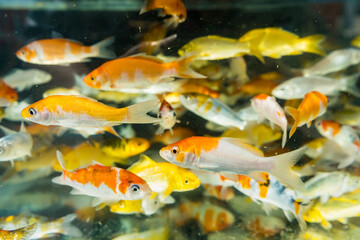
pixel 7 94
pixel 109 184
pixel 312 106
pixel 139 71
pixel 155 33
pixel 82 112
pixel 197 87
pixel 220 192
pixel 175 8
pixel 262 84
pixel 61 51
pixel 178 134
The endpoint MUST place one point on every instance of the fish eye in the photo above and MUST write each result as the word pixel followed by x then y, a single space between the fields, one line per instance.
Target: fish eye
pixel 32 112
pixel 160 115
pixel 186 181
pixel 92 79
pixel 175 150
pixel 23 52
pixel 135 188
pixel 174 114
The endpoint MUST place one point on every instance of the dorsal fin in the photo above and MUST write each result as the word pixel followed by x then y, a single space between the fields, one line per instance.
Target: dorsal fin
pixel 248 147
pixel 147 57
pixel 144 161
pixel 7 131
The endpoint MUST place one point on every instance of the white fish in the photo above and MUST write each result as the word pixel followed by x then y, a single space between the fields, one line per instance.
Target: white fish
pixel 25 79
pixel 13 112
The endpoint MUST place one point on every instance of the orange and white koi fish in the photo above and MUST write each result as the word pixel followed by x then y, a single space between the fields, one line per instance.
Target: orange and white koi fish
pixel 345 136
pixel 108 184
pixel 220 192
pixel 61 51
pixel 231 156
pixel 175 8
pixel 138 71
pixel 168 117
pixel 7 94
pixel 312 106
pixel 271 110
pixel 18 234
pixel 77 111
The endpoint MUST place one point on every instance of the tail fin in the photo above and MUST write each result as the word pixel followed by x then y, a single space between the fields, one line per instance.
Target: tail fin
pixel 295 114
pixel 148 5
pixel 183 67
pixel 311 44
pixel 66 227
pixel 284 137
pixel 349 84
pixel 101 49
pixel 282 168
pixel 25 232
pixel 137 112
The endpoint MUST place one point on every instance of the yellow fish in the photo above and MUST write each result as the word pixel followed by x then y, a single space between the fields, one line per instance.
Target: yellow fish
pixel 276 42
pixel 163 177
pixel 124 148
pixel 356 42
pixel 18 234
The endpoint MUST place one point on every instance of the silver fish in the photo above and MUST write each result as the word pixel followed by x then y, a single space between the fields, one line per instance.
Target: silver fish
pixel 25 79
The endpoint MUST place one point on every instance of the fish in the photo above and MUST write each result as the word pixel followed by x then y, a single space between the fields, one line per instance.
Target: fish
pixel 60 91
pixel 42 225
pixel 212 110
pixel 335 61
pixel 156 33
pixel 271 110
pixel 220 192
pixel 275 42
pixel 8 95
pixel 108 184
pixel 345 136
pixel 77 111
pixel 173 8
pixel 312 106
pixel 60 51
pixel 197 86
pixel 158 233
pixel 231 156
pixel 263 84
pixel 13 111
pixel 164 178
pixel 214 47
pixel 24 79
pixel 349 115
pixel 15 145
pixel 178 134
pixel 168 117
pixel 328 184
pixel 138 72
pixel 18 234
pixel 297 87
pixel 124 148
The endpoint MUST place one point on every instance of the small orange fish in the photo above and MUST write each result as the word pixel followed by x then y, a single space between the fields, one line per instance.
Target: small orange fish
pixel 220 192
pixel 312 106
pixel 7 94
pixel 175 8
pixel 138 71
pixel 179 133
pixel 262 84
pixel 61 51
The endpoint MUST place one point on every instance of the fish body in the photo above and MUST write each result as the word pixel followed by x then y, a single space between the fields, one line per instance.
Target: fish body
pixel 276 42
pixel 60 51
pixel 220 192
pixel 139 71
pixel 232 156
pixel 168 117
pixel 76 111
pixel 262 84
pixel 271 110
pixel 8 95
pixel 312 106
pixel 25 79
pixel 212 110
pixel 18 234
pixel 106 183
pixel 124 148
pixel 328 184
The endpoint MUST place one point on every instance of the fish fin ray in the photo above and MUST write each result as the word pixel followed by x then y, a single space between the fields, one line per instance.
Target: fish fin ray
pixel 67 228
pixel 311 44
pixel 137 113
pixel 101 49
pixel 248 147
pixel 183 67
pixel 284 137
pixel 295 114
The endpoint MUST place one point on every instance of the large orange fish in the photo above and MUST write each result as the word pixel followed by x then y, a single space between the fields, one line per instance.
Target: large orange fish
pixel 7 94
pixel 61 51
pixel 82 112
pixel 139 71
pixel 312 106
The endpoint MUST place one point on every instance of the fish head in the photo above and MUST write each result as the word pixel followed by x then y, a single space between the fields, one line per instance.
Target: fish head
pixel 185 181
pixel 327 128
pixel 97 78
pixel 167 115
pixel 179 154
pixel 137 145
pixel 193 101
pixel 352 183
pixel 287 90
pixel 42 77
pixel 26 54
pixel 133 186
pixel 39 113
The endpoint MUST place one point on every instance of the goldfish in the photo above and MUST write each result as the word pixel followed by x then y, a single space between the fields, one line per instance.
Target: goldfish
pixel 231 156
pixel 197 87
pixel 15 145
pixel 156 32
pixel 312 106
pixel 76 112
pixel 262 84
pixel 62 51
pixel 262 226
pixel 108 184
pixel 18 234
pixel 212 110
pixel 174 8
pixel 25 79
pixel 42 225
pixel 220 192
pixel 138 72
pixel 168 117
pixel 8 95
pixel 124 148
pixel 159 233
pixel 325 185
pixel 271 110
pixel 178 134
pixel 296 88
pixel 60 91
pixel 275 42
pixel 164 178
pixel 335 61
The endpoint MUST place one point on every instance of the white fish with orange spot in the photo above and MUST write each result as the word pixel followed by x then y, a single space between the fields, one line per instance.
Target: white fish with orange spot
pixel 167 115
pixel 61 51
pixel 271 110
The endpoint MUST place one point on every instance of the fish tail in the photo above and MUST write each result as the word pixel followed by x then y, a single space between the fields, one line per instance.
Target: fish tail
pixel 282 168
pixel 284 137
pixel 67 228
pixel 311 44
pixel 25 232
pixel 102 50
pixel 295 114
pixel 148 5
pixel 183 67
pixel 137 113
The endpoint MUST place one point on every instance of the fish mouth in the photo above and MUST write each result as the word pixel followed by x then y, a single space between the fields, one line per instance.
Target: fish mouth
pixel 165 154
